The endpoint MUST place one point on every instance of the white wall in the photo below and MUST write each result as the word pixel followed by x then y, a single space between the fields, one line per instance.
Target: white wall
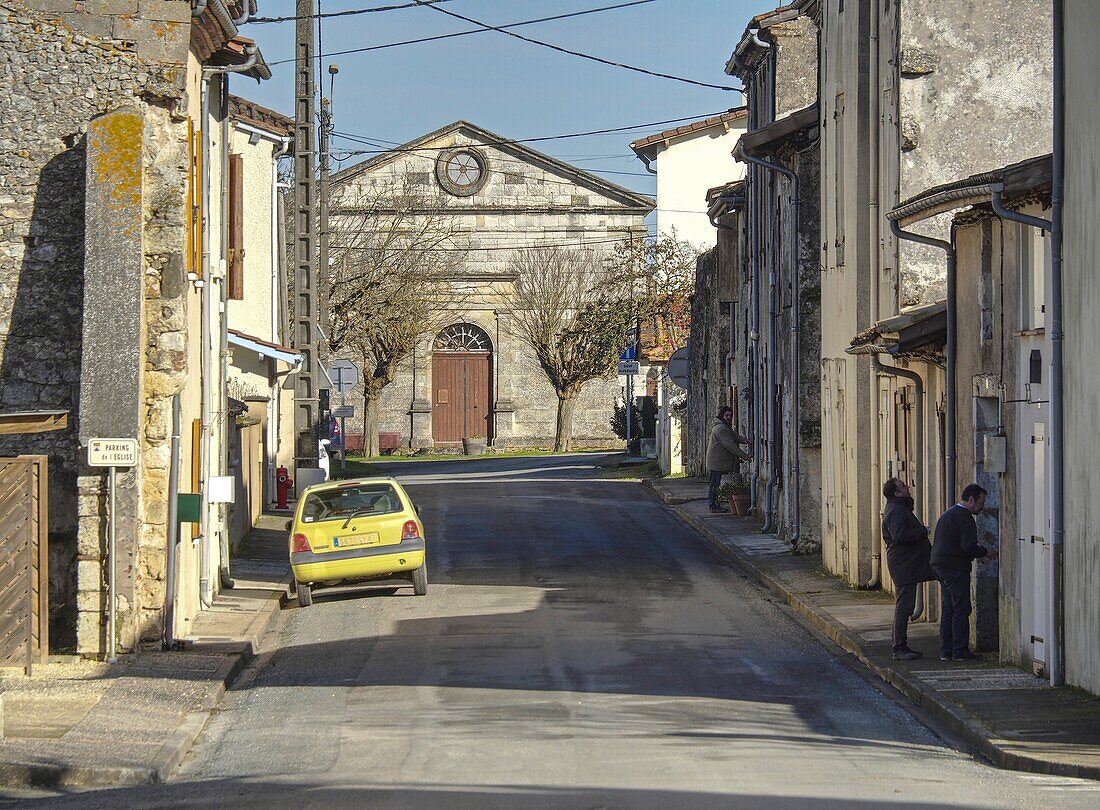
pixel 689 166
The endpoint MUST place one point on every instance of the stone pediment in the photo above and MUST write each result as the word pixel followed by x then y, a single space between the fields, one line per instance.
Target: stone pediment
pixel 513 176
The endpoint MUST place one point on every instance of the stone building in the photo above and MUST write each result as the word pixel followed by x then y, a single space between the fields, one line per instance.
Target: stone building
pixel 114 123
pixel 776 318
pixel 474 377
pixel 890 130
pixel 711 361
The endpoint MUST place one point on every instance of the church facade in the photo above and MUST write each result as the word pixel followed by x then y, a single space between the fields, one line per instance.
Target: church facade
pixel 470 376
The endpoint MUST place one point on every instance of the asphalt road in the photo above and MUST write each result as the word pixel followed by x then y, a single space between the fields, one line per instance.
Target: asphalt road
pixel 579 647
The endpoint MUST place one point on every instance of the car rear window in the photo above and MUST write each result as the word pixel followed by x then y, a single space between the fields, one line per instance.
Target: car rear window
pixel 360 499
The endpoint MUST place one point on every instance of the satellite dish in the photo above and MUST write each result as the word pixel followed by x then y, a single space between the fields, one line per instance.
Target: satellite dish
pixel 678 367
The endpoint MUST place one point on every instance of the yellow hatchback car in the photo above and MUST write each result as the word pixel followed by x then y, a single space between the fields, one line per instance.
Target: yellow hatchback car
pixel 354 531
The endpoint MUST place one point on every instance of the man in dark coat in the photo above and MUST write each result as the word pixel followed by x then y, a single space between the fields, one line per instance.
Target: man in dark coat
pixel 907 554
pixel 724 453
pixel 954 550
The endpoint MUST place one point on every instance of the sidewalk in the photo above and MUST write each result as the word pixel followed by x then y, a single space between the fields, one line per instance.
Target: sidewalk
pixel 1007 715
pixel 86 723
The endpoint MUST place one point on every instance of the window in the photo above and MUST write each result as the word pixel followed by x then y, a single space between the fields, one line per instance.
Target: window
pixel 363 500
pixel 839 179
pixel 1034 262
pixel 235 259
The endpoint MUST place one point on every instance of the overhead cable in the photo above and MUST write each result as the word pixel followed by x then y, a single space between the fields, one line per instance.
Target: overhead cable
pixel 560 49
pixel 437 37
pixel 510 141
pixel 349 12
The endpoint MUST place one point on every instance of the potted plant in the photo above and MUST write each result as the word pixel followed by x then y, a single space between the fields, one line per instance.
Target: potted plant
pixel 738 496
pixel 473 445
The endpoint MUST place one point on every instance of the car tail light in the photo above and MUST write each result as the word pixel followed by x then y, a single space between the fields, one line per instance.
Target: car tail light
pixel 410 530
pixel 299 543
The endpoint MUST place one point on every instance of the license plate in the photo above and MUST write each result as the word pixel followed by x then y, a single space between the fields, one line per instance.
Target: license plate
pixel 369 539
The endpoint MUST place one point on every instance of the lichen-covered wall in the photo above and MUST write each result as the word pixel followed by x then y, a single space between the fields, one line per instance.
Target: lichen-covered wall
pixel 974 93
pixel 61 66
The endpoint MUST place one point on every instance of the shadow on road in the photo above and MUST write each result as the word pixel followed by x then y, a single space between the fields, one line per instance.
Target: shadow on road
pixel 245 794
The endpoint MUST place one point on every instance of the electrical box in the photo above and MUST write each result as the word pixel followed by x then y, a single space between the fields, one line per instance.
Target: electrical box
pixel 221 488
pixel 994 453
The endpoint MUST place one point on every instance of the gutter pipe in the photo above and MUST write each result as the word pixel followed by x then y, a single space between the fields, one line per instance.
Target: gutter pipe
pixel 169 636
pixel 796 522
pixel 952 337
pixel 995 192
pixel 206 594
pixel 221 14
pixel 198 8
pixel 1057 427
pixel 922 486
pixel 247 7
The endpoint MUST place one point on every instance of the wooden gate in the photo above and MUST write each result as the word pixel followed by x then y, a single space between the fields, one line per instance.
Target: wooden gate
pixel 460 396
pixel 24 578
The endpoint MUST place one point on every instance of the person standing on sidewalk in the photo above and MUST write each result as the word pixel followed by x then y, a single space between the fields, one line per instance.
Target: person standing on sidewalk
pixel 724 453
pixel 907 555
pixel 954 550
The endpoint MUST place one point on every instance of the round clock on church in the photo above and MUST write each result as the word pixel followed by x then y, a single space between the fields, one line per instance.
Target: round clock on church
pixel 462 171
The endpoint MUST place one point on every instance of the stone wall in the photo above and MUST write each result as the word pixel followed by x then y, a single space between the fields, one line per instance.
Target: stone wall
pixel 61 67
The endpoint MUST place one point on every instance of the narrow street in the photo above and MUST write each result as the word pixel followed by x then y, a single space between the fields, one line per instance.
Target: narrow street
pixel 579 647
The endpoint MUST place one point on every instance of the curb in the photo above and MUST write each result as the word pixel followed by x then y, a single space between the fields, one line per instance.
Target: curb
pixel 959 722
pixel 177 745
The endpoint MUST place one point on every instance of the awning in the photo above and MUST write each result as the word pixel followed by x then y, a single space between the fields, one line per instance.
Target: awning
pixel 766 139
pixel 920 329
pixel 264 348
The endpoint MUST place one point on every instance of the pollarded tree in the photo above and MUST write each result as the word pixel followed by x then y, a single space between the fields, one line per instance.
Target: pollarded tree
pixel 390 283
pixel 573 308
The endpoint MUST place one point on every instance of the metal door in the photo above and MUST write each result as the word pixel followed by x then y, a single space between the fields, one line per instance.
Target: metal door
pixel 460 397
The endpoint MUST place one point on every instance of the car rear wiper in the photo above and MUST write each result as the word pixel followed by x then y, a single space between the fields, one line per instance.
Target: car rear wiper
pixel 353 515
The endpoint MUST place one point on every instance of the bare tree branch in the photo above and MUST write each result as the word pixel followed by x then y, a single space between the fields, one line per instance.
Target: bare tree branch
pixel 389 282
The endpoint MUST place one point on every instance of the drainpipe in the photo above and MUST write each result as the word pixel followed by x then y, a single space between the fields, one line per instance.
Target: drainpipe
pixel 206 592
pixel 247 7
pixel 952 329
pixel 198 8
pixel 1057 504
pixel 796 522
pixel 169 636
pixel 922 485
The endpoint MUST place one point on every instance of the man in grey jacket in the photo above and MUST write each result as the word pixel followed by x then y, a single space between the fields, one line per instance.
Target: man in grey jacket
pixel 724 453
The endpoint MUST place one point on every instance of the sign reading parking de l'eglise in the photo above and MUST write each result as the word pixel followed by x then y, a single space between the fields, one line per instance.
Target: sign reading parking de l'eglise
pixel 112 452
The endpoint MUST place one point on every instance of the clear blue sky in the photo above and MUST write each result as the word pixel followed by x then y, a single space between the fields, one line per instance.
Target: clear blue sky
pixel 510 87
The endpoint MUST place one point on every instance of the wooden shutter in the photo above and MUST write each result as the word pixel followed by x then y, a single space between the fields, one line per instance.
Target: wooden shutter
pixel 236 227
pixel 194 200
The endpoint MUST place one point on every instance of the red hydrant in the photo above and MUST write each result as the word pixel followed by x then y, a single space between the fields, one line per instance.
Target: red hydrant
pixel 282 487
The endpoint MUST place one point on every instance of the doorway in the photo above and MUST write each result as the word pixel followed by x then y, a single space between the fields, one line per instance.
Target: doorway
pixel 462 364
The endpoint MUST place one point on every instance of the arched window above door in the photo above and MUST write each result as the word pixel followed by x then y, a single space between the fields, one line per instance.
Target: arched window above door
pixel 463 337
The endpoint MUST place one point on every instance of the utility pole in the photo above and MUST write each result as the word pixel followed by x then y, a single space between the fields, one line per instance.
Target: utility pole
pixel 306 297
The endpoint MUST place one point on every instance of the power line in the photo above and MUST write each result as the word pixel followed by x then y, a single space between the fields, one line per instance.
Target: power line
pixel 508 142
pixel 438 37
pixel 346 13
pixel 602 61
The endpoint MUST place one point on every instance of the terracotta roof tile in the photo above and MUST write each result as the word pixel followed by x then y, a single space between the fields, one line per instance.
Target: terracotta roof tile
pixel 736 114
pixel 249 112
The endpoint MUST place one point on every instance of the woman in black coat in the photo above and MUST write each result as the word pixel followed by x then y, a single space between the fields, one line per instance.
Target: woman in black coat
pixel 907 555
